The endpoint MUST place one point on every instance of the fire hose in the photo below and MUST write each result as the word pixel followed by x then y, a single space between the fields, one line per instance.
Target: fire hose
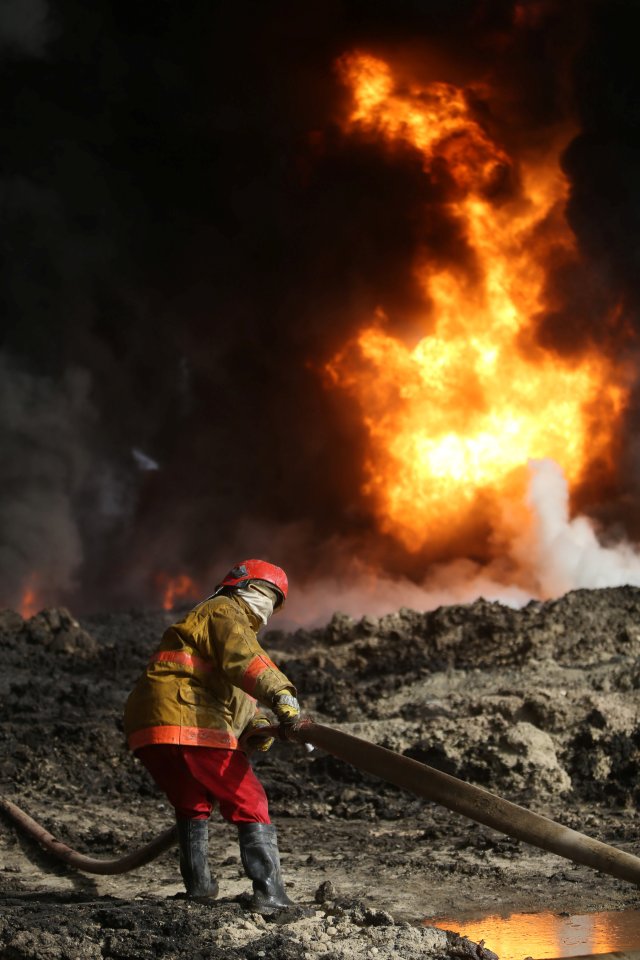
pixel 473 802
pixel 164 841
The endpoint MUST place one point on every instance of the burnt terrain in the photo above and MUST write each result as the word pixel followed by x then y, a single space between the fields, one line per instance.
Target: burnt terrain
pixel 539 705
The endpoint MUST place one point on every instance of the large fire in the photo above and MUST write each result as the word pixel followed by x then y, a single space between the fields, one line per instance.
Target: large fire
pixel 456 415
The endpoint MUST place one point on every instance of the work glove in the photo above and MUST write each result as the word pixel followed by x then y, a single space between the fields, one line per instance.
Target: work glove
pixel 251 740
pixel 286 708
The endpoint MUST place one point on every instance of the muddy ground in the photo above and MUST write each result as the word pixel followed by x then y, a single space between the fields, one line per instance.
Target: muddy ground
pixel 539 705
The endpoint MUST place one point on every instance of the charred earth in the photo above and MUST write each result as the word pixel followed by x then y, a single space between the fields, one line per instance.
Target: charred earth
pixel 539 705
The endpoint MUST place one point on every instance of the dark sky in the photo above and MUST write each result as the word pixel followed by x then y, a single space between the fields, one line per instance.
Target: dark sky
pixel 188 236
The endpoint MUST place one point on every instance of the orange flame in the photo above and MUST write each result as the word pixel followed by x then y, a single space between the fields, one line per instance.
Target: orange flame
pixel 180 587
pixel 455 416
pixel 29 603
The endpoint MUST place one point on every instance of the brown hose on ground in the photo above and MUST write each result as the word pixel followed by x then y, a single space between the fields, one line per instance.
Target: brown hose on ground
pixel 470 801
pixel 164 841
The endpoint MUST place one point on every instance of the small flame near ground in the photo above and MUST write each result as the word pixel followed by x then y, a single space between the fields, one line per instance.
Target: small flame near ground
pixel 453 420
pixel 29 603
pixel 175 588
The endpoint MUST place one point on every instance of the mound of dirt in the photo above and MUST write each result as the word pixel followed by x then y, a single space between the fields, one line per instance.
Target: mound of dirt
pixel 339 931
pixel 539 705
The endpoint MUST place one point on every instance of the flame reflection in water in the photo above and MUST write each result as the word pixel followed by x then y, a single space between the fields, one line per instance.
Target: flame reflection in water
pixel 549 935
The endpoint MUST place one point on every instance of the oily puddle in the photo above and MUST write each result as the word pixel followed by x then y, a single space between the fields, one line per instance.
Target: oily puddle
pixel 543 936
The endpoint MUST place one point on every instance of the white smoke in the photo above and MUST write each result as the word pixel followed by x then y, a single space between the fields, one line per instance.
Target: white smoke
pixel 546 554
pixel 362 591
pixel 566 554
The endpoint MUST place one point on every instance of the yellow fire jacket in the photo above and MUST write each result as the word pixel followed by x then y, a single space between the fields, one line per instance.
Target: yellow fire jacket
pixel 200 687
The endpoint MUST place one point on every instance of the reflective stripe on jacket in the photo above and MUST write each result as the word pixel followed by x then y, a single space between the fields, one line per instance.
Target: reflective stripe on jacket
pixel 200 687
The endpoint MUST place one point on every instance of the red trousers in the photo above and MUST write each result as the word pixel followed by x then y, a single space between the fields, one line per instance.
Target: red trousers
pixel 194 778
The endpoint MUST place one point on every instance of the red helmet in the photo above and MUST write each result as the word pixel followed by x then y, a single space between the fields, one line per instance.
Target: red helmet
pixel 250 570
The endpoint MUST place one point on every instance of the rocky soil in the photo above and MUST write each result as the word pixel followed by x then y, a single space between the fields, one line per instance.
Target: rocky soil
pixel 539 705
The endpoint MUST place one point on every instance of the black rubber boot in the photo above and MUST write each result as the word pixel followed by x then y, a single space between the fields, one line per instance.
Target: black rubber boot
pixel 261 862
pixel 193 839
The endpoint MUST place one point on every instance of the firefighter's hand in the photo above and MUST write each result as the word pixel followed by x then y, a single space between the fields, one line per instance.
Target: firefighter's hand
pixel 286 707
pixel 251 739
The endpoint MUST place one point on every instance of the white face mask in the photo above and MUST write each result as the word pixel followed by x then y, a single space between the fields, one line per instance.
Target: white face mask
pixel 260 598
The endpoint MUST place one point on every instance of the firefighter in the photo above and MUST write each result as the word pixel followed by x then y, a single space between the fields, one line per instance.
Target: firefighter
pixel 194 715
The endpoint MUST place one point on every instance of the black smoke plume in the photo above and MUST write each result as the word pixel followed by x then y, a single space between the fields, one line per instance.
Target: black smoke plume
pixel 188 236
